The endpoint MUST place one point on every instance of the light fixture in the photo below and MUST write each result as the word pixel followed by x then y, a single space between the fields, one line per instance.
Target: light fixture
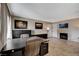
pixel 48 28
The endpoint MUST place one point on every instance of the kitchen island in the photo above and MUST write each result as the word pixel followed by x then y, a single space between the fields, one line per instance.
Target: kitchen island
pixel 17 45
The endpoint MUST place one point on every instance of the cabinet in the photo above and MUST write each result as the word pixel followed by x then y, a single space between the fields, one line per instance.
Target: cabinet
pixel 43 48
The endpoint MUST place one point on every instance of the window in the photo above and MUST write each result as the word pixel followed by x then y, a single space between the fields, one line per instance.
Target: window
pixel 9 34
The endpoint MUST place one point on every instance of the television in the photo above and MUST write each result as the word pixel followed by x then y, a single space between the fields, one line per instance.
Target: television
pixel 38 25
pixel 19 24
pixel 65 25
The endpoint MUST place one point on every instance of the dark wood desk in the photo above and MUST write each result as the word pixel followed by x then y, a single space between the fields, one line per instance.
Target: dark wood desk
pixel 13 46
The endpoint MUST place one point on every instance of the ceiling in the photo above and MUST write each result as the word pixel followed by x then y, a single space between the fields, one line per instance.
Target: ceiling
pixel 51 12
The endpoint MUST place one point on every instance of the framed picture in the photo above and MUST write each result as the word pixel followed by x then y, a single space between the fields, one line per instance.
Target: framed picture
pixel 19 24
pixel 38 25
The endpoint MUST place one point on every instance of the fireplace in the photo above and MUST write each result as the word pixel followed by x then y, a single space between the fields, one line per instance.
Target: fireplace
pixel 64 36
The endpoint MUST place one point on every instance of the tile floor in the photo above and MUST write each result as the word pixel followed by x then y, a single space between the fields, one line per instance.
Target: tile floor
pixel 60 47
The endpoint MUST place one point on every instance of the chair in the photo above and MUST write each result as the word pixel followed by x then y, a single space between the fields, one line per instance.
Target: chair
pixel 32 47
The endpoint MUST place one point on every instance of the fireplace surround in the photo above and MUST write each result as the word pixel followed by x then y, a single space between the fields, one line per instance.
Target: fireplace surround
pixel 64 36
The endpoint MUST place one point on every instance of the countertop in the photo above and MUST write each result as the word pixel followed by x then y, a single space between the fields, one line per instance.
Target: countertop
pixel 20 42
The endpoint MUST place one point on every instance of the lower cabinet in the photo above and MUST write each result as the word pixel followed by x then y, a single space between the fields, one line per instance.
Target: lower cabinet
pixel 43 48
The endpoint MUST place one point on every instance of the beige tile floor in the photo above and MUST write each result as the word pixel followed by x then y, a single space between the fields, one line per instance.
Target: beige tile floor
pixel 60 47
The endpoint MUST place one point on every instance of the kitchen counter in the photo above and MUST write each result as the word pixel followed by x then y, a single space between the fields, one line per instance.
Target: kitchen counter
pixel 14 45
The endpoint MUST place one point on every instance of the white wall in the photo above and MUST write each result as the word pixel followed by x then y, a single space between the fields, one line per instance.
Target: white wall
pixel 73 29
pixel 55 30
pixel 31 25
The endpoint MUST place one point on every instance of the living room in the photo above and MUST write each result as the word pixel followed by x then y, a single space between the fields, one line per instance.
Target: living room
pixel 55 29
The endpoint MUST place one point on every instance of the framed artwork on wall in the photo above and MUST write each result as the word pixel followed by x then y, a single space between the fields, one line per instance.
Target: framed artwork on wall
pixel 38 25
pixel 19 24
